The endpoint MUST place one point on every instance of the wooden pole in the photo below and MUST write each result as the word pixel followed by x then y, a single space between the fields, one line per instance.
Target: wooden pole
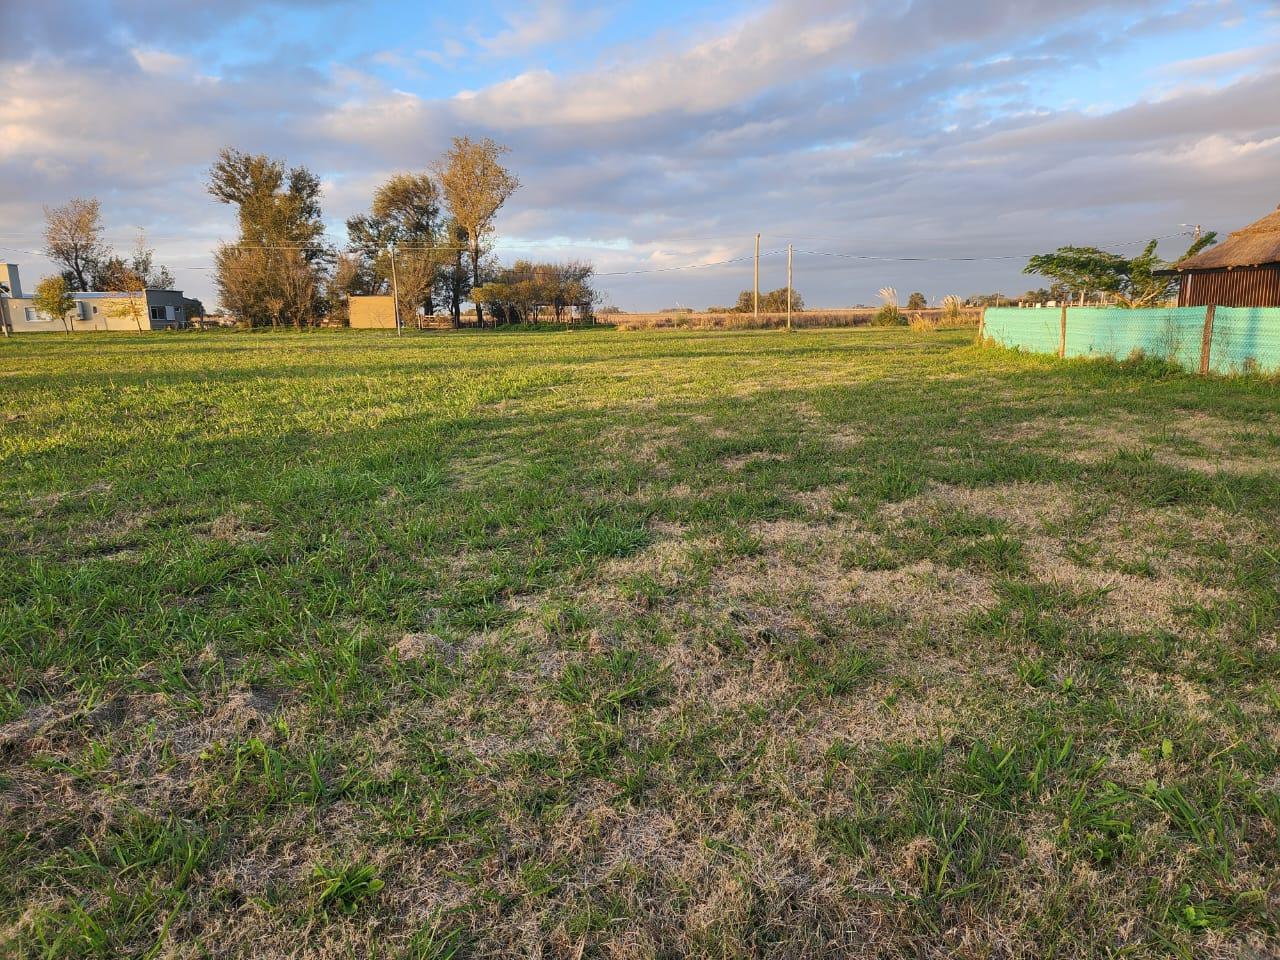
pixel 1206 343
pixel 1062 334
pixel 982 326
pixel 756 298
pixel 790 254
pixel 395 291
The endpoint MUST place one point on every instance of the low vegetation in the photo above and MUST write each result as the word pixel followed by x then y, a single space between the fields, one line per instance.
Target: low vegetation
pixel 590 643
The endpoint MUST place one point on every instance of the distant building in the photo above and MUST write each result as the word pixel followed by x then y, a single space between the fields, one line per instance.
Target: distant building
pixel 1242 271
pixel 108 310
pixel 372 312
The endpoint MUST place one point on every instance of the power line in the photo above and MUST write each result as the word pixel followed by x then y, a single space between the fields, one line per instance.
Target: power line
pixel 875 258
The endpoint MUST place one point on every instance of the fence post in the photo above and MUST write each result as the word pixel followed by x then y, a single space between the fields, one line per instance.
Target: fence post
pixel 982 327
pixel 1206 344
pixel 1062 335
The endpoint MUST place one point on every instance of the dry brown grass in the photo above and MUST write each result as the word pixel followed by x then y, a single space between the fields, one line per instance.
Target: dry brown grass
pixel 771 321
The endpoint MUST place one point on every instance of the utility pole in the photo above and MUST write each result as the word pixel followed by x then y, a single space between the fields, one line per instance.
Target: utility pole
pixel 789 256
pixel 756 299
pixel 395 291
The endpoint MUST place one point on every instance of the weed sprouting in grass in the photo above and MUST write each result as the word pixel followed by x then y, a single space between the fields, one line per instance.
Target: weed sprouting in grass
pixel 344 888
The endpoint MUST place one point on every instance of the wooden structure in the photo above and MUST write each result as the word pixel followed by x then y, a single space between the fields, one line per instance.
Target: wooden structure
pixel 1242 271
pixel 372 313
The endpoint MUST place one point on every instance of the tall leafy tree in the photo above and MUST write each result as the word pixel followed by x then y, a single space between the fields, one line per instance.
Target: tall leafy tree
pixel 273 273
pixel 405 223
pixel 1131 281
pixel 475 186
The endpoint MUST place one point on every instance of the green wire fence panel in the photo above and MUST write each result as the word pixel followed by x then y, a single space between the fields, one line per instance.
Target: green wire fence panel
pixel 1173 334
pixel 1034 329
pixel 1245 339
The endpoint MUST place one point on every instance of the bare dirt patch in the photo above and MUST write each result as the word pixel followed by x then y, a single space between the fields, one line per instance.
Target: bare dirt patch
pixel 1027 505
pixel 925 591
pixel 233 528
pixel 419 646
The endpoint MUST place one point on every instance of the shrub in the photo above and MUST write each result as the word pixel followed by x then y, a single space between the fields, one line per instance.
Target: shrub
pixel 888 316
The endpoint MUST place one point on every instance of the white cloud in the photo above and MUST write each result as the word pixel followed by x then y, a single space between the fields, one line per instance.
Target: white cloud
pixel 893 129
pixel 160 61
pixel 534 25
pixel 707 76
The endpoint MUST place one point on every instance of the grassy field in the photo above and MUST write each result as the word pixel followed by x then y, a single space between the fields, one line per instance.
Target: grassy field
pixel 842 643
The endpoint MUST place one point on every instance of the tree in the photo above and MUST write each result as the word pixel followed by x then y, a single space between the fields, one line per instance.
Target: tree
pixel 1085 271
pixel 347 279
pixel 1091 272
pixel 1141 286
pixel 273 273
pixel 73 240
pixel 775 301
pixel 143 265
pixel 405 218
pixel 518 293
pixel 53 298
pixel 475 186
pixel 120 277
pixel 917 301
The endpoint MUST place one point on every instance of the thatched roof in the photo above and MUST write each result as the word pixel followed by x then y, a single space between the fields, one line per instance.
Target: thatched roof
pixel 1255 244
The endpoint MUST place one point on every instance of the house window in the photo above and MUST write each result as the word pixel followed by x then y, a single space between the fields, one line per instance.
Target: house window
pixel 157 313
pixel 85 309
pixel 35 316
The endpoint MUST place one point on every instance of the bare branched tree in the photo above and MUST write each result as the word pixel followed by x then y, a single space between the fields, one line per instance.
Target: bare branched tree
pixel 73 240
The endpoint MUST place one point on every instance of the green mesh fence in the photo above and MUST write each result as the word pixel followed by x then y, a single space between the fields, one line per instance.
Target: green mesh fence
pixel 1034 329
pixel 1173 334
pixel 1245 340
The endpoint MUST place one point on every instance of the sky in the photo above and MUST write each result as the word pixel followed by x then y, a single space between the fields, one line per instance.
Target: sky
pixel 928 145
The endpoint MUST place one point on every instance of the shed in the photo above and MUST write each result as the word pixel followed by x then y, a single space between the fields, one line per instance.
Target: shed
pixel 1242 271
pixel 372 312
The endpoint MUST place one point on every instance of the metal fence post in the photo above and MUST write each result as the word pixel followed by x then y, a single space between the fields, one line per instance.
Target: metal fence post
pixel 1062 335
pixel 1206 343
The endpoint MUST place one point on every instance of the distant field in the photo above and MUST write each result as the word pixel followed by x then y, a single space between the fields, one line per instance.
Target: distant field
pixel 856 317
pixel 608 644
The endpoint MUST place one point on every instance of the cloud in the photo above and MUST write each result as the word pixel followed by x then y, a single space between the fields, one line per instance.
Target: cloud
pixel 878 128
pixel 535 25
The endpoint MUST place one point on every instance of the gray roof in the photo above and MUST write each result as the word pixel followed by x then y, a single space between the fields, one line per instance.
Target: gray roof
pixel 103 294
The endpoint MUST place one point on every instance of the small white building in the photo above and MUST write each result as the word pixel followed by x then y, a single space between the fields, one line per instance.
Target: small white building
pixel 107 310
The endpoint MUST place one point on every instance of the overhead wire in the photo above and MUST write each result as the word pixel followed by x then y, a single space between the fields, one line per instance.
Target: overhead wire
pixel 833 254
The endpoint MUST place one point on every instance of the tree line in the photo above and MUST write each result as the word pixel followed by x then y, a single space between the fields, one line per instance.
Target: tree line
pixel 774 301
pixel 427 238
